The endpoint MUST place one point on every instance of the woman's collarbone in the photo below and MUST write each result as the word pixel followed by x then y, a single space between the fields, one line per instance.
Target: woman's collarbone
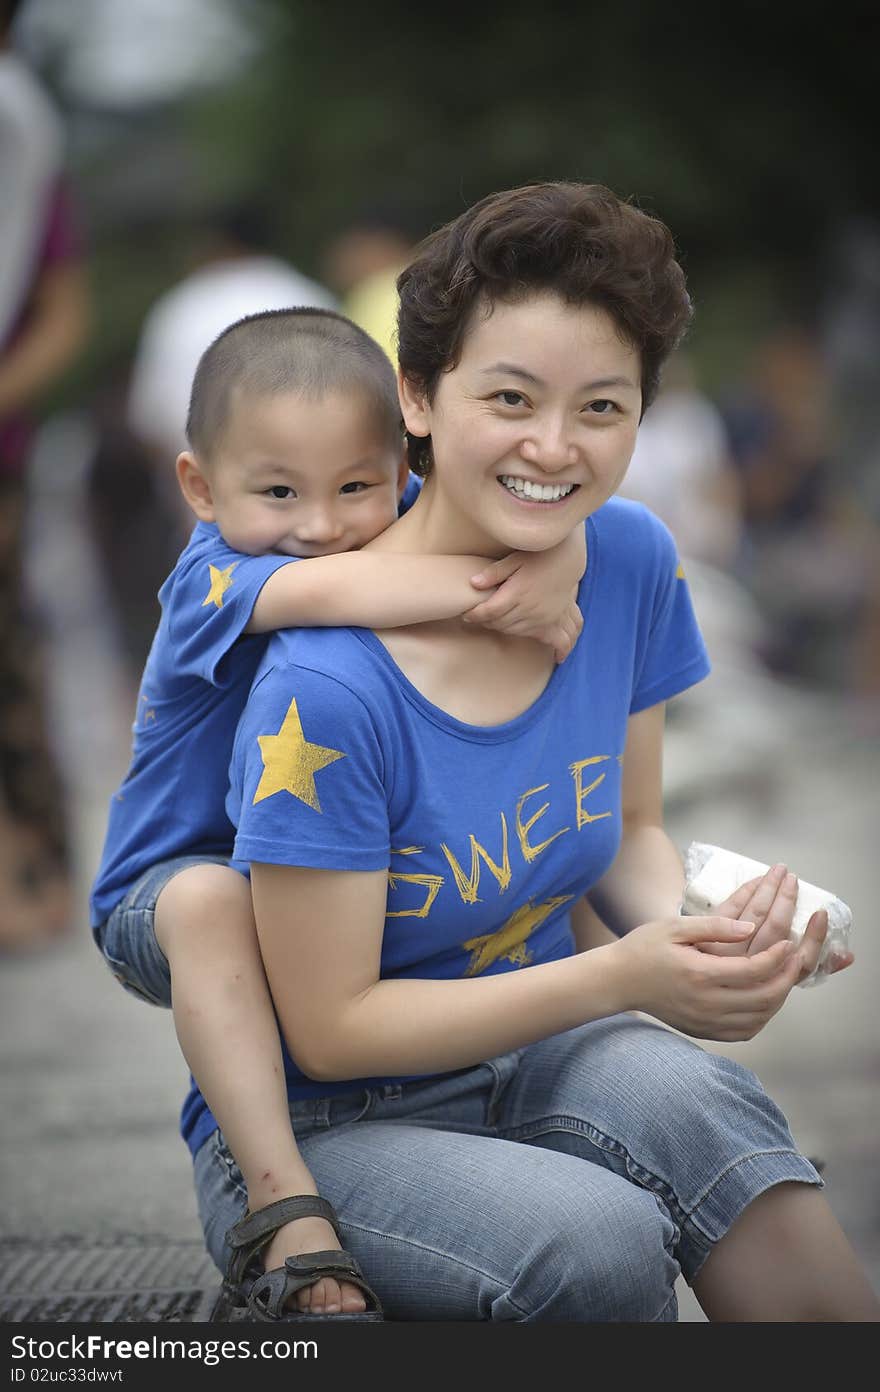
pixel 480 677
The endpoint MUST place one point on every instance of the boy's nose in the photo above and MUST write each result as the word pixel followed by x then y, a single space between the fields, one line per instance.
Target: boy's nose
pixel 320 526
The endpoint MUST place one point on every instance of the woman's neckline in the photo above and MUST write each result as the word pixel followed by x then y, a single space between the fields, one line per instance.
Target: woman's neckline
pixel 518 724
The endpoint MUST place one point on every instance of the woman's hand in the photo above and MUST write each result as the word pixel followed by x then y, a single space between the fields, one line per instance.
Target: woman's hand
pixel 535 594
pixel 669 976
pixel 769 901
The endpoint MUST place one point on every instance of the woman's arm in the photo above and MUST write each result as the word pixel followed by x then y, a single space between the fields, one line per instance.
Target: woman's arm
pixel 320 935
pixel 342 1021
pixel 587 927
pixel 646 880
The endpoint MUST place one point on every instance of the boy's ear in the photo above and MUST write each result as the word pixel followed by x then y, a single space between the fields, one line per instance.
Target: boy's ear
pixel 195 486
pixel 413 406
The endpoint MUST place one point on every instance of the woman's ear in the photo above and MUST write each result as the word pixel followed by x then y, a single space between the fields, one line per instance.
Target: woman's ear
pixel 414 406
pixel 195 486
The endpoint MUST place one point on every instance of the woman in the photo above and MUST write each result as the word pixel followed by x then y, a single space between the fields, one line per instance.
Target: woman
pixel 422 809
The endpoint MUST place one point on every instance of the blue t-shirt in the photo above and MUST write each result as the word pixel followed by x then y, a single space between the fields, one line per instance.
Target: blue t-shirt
pixel 488 834
pixel 194 688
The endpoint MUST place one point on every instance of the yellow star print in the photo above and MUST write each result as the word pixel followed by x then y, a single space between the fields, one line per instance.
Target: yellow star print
pixel 679 574
pixel 510 940
pixel 290 762
pixel 220 582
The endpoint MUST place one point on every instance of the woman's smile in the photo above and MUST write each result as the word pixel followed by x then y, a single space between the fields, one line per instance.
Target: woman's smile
pixel 532 429
pixel 534 492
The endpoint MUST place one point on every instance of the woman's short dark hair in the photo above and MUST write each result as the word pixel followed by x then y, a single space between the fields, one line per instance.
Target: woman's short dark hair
pixel 578 240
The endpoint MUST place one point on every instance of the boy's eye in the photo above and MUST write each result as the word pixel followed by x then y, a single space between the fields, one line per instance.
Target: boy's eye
pixel 511 398
pixel 281 491
pixel 354 487
pixel 602 407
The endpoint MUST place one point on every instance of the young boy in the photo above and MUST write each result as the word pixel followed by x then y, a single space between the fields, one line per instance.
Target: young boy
pixel 296 453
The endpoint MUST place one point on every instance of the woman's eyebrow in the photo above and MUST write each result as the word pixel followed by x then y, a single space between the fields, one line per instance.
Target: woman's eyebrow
pixel 510 370
pixel 600 384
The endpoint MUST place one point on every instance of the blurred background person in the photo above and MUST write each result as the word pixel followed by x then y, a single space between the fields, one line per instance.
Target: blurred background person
pixel 683 471
pixel 43 322
pixel 234 273
pixel 811 554
pixel 362 263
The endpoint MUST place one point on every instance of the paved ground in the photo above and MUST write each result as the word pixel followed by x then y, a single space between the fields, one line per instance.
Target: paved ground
pixel 92 1080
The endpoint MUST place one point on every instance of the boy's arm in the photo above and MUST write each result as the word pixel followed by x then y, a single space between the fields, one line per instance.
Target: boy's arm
pixel 536 594
pixel 366 589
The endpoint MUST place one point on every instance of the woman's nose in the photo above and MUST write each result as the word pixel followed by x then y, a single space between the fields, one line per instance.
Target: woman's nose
pixel 549 448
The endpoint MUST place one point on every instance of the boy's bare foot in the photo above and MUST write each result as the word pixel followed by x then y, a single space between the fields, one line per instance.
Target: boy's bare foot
pixel 327 1296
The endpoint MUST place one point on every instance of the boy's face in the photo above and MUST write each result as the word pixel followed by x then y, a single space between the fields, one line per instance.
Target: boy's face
pixel 301 477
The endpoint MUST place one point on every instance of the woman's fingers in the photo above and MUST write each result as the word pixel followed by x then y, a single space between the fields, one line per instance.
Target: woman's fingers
pixel 746 1011
pixel 811 943
pixel 779 916
pixel 769 901
pixel 837 961
pixel 736 903
pixel 747 973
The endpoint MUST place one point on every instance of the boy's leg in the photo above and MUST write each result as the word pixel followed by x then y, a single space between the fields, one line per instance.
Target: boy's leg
pixel 227 1030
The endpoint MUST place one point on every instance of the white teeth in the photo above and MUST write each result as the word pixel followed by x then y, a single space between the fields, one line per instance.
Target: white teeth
pixel 538 492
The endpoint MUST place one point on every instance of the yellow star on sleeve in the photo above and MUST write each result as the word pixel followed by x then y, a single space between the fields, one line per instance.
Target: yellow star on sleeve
pixel 679 574
pixel 290 762
pixel 220 582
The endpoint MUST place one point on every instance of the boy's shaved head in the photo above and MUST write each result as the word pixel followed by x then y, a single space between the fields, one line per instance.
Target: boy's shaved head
pixel 308 351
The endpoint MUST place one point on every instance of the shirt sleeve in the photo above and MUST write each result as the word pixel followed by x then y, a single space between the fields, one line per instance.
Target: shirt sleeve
pixel 410 493
pixel 211 601
pixel 674 656
pixel 306 782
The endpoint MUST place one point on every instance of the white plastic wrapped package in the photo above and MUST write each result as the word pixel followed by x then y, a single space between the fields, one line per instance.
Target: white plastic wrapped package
pixel 712 874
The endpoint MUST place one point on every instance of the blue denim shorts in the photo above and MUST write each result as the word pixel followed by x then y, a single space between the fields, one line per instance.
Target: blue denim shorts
pixel 127 939
pixel 572 1180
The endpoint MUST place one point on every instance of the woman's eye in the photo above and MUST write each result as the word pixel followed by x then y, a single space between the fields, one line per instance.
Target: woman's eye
pixel 281 491
pixel 602 407
pixel 355 487
pixel 511 398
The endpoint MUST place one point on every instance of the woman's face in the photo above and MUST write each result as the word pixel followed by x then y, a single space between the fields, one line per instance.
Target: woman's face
pixel 533 429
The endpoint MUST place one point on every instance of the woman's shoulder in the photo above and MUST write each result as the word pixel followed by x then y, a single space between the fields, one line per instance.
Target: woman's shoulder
pixel 628 533
pixel 336 666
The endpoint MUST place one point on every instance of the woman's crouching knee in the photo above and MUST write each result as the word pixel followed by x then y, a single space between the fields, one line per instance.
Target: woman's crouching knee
pixel 608 1264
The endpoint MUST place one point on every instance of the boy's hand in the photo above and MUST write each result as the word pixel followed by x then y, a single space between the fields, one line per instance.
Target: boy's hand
pixel 769 901
pixel 535 594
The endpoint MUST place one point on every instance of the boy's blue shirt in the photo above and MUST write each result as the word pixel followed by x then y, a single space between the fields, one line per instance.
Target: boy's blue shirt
pixel 488 834
pixel 194 688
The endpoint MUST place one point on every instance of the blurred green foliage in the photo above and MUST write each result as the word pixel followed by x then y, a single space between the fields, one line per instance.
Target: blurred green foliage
pixel 745 127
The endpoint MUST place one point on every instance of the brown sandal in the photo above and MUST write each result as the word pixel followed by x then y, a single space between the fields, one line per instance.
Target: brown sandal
pixel 249 1293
